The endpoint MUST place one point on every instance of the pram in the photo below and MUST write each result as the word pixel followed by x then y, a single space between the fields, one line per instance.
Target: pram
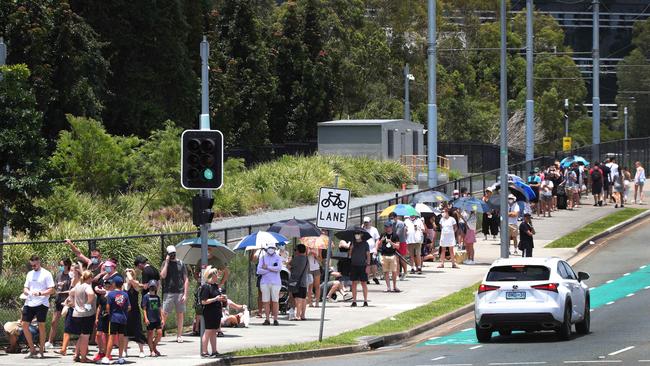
pixel 283 302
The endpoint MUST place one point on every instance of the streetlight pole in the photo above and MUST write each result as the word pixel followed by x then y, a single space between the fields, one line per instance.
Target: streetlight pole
pixel 595 128
pixel 407 104
pixel 432 107
pixel 625 134
pixel 566 117
pixel 504 139
pixel 530 104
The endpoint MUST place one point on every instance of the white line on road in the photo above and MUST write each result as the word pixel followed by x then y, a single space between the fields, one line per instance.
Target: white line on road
pixel 642 361
pixel 438 358
pixel 621 351
pixel 467 330
pixel 642 267
pixel 517 363
pixel 476 347
pixel 593 361
pixel 609 303
pixel 629 295
pixel 647 288
pixel 433 338
pixel 610 281
pixel 627 274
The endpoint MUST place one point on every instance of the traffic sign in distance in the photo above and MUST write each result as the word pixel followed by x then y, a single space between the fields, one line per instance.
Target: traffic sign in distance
pixel 333 208
pixel 201 159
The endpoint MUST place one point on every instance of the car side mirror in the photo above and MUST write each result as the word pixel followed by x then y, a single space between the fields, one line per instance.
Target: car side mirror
pixel 583 276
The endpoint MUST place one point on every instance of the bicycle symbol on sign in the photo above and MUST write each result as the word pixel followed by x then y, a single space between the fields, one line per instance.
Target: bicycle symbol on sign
pixel 333 199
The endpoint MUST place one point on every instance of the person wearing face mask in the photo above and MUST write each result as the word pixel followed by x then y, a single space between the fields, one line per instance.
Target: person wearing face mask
pixel 175 287
pixel 387 245
pixel 269 268
pixel 359 255
pixel 94 264
pixel 448 228
pixel 63 281
pixel 526 240
pixel 513 214
pixel 455 195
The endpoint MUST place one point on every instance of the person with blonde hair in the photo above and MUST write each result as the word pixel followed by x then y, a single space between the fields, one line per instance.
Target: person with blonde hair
pixel 639 181
pixel 211 300
pixel 83 300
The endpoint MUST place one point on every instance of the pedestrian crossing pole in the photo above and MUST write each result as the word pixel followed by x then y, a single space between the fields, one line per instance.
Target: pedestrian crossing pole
pixel 595 83
pixel 432 107
pixel 504 139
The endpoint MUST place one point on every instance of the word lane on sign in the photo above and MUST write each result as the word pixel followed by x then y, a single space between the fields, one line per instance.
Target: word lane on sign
pixel 333 208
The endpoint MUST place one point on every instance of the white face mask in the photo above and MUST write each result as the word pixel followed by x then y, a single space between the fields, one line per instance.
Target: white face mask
pixel 270 251
pixel 511 201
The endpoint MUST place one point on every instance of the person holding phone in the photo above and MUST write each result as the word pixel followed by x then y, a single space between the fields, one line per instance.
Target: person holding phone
pixel 175 286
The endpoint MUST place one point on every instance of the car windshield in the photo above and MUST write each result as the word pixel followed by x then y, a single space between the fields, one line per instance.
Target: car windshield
pixel 518 273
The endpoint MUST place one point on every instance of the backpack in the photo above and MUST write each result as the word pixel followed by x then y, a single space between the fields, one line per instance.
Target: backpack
pixel 596 175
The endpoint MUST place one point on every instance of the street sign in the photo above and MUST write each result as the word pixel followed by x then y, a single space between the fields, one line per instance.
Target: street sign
pixel 566 143
pixel 333 208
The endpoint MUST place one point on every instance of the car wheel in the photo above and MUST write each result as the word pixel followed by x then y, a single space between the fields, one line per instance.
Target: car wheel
pixel 583 326
pixel 564 332
pixel 505 332
pixel 483 335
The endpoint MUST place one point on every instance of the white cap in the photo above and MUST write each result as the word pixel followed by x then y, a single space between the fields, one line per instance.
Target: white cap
pixel 171 249
pixel 512 196
pixel 456 191
pixel 366 219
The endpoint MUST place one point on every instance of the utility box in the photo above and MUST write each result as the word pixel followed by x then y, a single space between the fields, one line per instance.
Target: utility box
pixel 458 162
pixel 382 139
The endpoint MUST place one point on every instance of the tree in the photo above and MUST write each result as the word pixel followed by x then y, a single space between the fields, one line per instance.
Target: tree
pixel 22 166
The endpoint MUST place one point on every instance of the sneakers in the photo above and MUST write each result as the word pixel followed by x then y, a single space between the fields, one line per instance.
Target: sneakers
pixel 179 339
pixel 141 355
pixel 48 345
pixel 98 357
pixel 275 322
pixel 354 305
pixel 376 281
pixel 365 304
pixel 120 361
pixel 32 355
pixel 266 322
pixel 107 360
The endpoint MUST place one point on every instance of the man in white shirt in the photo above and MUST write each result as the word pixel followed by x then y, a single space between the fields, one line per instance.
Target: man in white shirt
pixel 39 285
pixel 513 214
pixel 372 243
pixel 414 238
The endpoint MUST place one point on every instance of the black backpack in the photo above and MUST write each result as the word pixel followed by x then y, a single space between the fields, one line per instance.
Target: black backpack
pixel 596 175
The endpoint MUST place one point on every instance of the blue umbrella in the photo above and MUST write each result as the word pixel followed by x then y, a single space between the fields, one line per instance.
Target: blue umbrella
pixel 189 251
pixel 471 204
pixel 573 159
pixel 530 193
pixel 260 240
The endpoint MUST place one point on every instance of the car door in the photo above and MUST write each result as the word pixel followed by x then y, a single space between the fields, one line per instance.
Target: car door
pixel 577 293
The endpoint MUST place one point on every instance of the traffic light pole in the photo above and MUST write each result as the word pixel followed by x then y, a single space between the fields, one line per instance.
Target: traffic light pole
pixel 204 125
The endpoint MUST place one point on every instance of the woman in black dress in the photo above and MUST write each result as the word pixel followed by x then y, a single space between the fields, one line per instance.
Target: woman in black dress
pixel 211 300
pixel 134 317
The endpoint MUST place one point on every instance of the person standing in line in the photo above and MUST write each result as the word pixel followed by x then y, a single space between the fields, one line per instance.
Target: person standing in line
pixel 299 273
pixel 359 255
pixel 153 315
pixel 39 285
pixel 313 290
pixel 489 225
pixel 546 196
pixel 84 303
pixel 607 182
pixel 534 181
pixel 639 181
pixel 470 235
pixel 387 245
pixel 526 230
pixel 448 226
pixel 627 183
pixel 175 287
pixel 63 283
pixel 596 174
pixel 399 227
pixel 134 321
pixel 618 189
pixel 372 242
pixel 211 300
pixel 269 267
pixel 571 186
pixel 118 306
pixel 513 214
pixel 414 237
pixel 556 178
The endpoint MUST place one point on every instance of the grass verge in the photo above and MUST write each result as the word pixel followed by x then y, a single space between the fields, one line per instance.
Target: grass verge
pixel 596 227
pixel 398 323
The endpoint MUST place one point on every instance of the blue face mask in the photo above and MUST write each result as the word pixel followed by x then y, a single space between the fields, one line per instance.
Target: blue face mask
pixel 94 260
pixel 61 268
pixel 108 269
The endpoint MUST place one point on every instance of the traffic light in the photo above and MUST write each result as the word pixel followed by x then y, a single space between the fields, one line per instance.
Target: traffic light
pixel 202 159
pixel 202 210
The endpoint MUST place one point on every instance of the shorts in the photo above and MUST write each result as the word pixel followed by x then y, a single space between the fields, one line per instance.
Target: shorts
pixel 315 273
pixel 116 328
pixel 212 320
pixel 514 231
pixel 414 249
pixel 102 324
pixel 301 294
pixel 389 263
pixel 403 249
pixel 358 273
pixel 154 325
pixel 173 301
pixel 546 197
pixel 69 325
pixel 58 306
pixel 39 312
pixel 84 324
pixel 270 292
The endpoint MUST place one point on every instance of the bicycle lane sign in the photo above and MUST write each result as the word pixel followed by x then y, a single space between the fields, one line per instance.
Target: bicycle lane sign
pixel 333 208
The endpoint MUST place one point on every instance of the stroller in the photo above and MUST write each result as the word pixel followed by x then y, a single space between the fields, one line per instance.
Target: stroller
pixel 284 291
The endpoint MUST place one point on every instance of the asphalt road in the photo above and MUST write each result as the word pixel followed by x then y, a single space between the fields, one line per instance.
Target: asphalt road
pixel 620 330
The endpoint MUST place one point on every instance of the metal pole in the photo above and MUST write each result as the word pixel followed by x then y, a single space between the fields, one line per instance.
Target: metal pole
pixel 327 273
pixel 204 124
pixel 407 104
pixel 504 138
pixel 566 117
pixel 5 210
pixel 596 85
pixel 530 104
pixel 432 107
pixel 625 133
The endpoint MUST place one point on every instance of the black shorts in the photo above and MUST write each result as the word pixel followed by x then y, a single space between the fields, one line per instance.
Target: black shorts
pixel 102 324
pixel 39 312
pixel 154 325
pixel 58 306
pixel 301 293
pixel 116 328
pixel 69 325
pixel 84 324
pixel 358 273
pixel 212 320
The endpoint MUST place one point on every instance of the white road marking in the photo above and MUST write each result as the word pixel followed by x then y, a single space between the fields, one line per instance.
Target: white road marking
pixel 610 281
pixel 609 303
pixel 629 295
pixel 476 347
pixel 647 287
pixel 517 363
pixel 591 310
pixel 642 267
pixel 467 330
pixel 433 338
pixel 621 351
pixel 642 361
pixel 593 361
pixel 438 358
pixel 627 274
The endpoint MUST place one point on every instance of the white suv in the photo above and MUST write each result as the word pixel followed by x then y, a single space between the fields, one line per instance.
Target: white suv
pixel 531 294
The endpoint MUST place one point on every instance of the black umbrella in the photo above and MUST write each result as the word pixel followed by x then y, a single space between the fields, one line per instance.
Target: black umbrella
pixel 518 192
pixel 348 234
pixel 294 228
pixel 494 202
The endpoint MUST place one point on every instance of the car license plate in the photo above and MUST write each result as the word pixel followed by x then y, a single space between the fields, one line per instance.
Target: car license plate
pixel 515 295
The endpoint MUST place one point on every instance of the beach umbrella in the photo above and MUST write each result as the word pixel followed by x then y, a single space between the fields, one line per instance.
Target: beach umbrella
pixel 260 240
pixel 400 210
pixel 471 204
pixel 528 190
pixel 189 251
pixel 573 159
pixel 294 228
pixel 515 190
pixel 348 234
pixel 430 197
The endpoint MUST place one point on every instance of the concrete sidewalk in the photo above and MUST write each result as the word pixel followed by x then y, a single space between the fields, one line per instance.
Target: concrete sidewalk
pixel 417 290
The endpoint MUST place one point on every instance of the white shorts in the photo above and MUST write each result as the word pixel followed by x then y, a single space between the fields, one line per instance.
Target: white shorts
pixel 270 292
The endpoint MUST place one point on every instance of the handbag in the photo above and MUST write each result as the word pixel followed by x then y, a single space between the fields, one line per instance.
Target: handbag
pixel 294 284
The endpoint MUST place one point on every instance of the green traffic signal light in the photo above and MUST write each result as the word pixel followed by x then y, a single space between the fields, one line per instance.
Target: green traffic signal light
pixel 208 174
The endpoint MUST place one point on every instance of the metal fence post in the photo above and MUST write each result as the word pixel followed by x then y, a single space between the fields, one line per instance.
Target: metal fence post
pixel 162 248
pixel 92 245
pixel 375 213
pixel 250 273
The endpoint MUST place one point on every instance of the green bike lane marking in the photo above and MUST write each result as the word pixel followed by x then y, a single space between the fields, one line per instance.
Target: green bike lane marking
pixel 600 296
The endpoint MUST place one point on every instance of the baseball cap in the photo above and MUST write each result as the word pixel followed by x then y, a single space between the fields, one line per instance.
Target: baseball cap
pixel 153 283
pixel 388 223
pixel 456 191
pixel 512 196
pixel 117 281
pixel 171 249
pixel 527 214
pixel 366 219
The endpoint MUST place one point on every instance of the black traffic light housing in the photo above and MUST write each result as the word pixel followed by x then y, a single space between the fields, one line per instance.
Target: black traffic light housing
pixel 202 159
pixel 202 210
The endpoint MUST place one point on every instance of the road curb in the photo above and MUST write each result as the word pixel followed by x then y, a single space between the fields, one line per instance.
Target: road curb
pixel 618 227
